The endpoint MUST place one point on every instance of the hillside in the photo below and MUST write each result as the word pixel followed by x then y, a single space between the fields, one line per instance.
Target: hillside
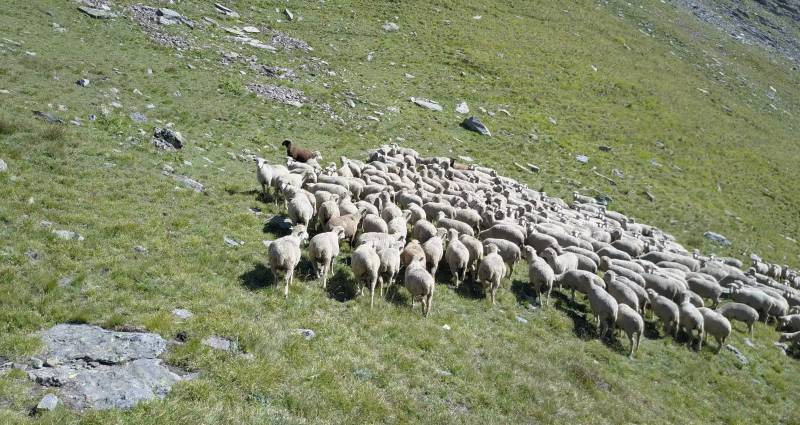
pixel 698 132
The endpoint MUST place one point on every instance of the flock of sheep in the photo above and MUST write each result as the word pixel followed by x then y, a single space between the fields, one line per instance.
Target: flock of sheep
pixel 481 224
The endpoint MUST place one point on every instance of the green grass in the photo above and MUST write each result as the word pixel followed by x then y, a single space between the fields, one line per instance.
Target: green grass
pixel 720 153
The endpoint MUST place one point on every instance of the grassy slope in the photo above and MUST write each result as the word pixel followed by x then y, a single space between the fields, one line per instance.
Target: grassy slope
pixel 533 59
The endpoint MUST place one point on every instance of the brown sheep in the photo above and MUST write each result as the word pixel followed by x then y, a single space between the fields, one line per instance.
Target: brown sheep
pixel 298 154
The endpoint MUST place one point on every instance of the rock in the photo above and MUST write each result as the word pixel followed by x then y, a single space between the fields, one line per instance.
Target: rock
pixel 47 403
pixel 466 158
pixel 742 359
pixel 604 148
pixel 522 319
pixel 182 313
pixel 116 104
pixel 47 116
pixel 428 104
pixel 443 373
pixel 391 27
pixel 306 333
pixel 505 112
pixel 33 255
pixel 476 125
pixel 749 343
pixel 139 249
pixel 68 235
pixel 3 166
pixel 166 139
pixel 618 173
pixel 446 327
pixel 534 168
pixel 583 159
pixel 284 95
pixel 37 363
pixel 97 13
pixel 219 343
pixel 289 14
pixel 232 242
pixel 552 120
pixel 138 117
pixel 83 82
pixel 285 42
pixel 226 11
pixel 717 238
pixel 191 184
pixel 66 343
pixel 169 14
pixel 65 281
pixel 462 108
pixel 251 29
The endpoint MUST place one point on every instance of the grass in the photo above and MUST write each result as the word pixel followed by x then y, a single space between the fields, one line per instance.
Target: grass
pixel 726 157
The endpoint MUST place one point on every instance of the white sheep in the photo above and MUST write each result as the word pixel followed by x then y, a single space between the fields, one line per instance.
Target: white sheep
pixel 604 307
pixel 300 209
pixel 740 312
pixel 434 251
pixel 620 291
pixel 507 249
pixel 540 275
pixel 283 255
pixel 373 223
pixel 475 248
pixel 632 324
pixel 390 266
pixel 457 257
pixel 420 284
pixel 323 250
pixel 366 265
pixel 691 320
pixel 491 271
pixel 667 311
pixel 423 230
pixel 560 263
pixel 715 324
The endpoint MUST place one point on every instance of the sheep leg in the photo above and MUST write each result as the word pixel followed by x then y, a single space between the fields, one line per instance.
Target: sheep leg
pixel 428 304
pixel 630 339
pixel 372 294
pixel 638 340
pixel 412 302
pixel 700 340
pixel 750 329
pixel 286 287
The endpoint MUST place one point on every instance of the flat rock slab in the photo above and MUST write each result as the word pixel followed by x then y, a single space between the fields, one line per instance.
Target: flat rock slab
pixel 97 13
pixel 94 368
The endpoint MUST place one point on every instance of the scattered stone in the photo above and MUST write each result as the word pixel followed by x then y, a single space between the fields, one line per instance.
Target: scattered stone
pixel 522 319
pixel 604 148
pixel 350 103
pixel 47 403
pixel 443 373
pixel 116 104
pixel 466 158
pixel 219 343
pixel 391 27
pixel 286 95
pixel 166 139
pixel 275 71
pixel 226 11
pixel 649 196
pixel 139 249
pixel 534 168
pixel 65 281
pixel 33 255
pixel 749 343
pixel 182 313
pixel 655 163
pixel 462 108
pixel 474 124
pixel 505 112
pixel 552 120
pixel 68 235
pixel 583 159
pixel 151 19
pixel 618 173
pixel 251 29
pixel 742 359
pixel 370 56
pixel 150 106
pixel 285 42
pixel 99 369
pixel 191 184
pixel 363 373
pixel 717 238
pixel 97 13
pixel 306 333
pixel 289 14
pixel 37 363
pixel 446 327
pixel 83 82
pixel 3 166
pixel 232 242
pixel 47 116
pixel 138 117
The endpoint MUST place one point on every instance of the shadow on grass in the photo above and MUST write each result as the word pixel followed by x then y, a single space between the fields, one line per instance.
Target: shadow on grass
pixel 258 278
pixel 277 226
pixel 584 326
pixel 470 288
pixel 522 291
pixel 340 286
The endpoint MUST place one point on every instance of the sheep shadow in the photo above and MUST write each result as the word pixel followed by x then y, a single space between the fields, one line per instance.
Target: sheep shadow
pixel 244 192
pixel 470 289
pixel 340 286
pixel 277 225
pixel 257 278
pixel 523 292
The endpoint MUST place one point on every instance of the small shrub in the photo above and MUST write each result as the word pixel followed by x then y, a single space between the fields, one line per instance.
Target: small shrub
pixel 53 133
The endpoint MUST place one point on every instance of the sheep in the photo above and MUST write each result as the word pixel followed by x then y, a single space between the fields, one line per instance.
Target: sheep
pixel 741 312
pixel 373 223
pixel 322 250
pixel 449 223
pixel 434 251
pixel 390 265
pixel 663 285
pixel 613 253
pixel 379 240
pixel 585 263
pixel 267 173
pixel 469 216
pixel 300 209
pixel 793 337
pixel 423 230
pixel 666 310
pixel 604 306
pixel 540 275
pixel 491 271
pixel 540 241
pixel 508 250
pixel 578 280
pixel 690 319
pixel 475 248
pixel 366 265
pixel 348 222
pixel 299 154
pixel 505 231
pixel 715 324
pixel 391 211
pixel 641 293
pixel 754 298
pixel 417 214
pixel 560 263
pixel 629 320
pixel 457 257
pixel 632 247
pixel 789 323
pixel 398 226
pixel 420 284
pixel 584 252
pixel 328 210
pixel 706 289
pixel 283 255
pixel 411 252
pixel 607 262
pixel 621 292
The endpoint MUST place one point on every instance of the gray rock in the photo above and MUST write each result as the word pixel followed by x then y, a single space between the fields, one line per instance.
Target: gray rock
pixel 47 116
pixel 65 343
pixel 68 235
pixel 138 117
pixel 191 184
pixel 443 373
pixel 474 124
pixel 604 148
pixel 306 333
pixel 3 166
pixel 522 319
pixel 742 359
pixel 47 403
pixel 717 238
pixel 289 14
pixel 391 27
pixel 232 242
pixel 97 13
pixel 33 255
pixel 462 108
pixel 286 95
pixel 83 82
pixel 139 249
pixel 182 313
pixel 167 139
pixel 37 363
pixel 583 159
pixel 169 13
pixel 219 343
pixel 749 343
pixel 427 104
pixel 66 281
